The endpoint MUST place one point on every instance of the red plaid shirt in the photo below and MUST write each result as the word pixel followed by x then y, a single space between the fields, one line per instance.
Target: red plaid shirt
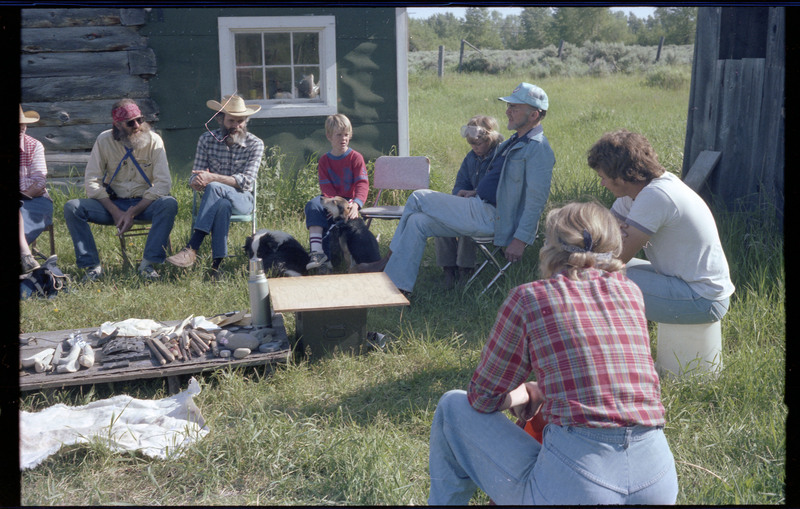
pixel 588 344
pixel 32 165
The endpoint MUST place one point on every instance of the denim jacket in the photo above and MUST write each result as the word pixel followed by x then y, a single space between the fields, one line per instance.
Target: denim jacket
pixel 523 188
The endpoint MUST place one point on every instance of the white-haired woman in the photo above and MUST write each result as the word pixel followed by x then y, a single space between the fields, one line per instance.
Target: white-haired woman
pixel 583 333
pixel 456 255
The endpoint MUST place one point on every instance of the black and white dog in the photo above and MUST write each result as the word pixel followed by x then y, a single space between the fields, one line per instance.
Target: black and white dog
pixel 279 252
pixel 351 241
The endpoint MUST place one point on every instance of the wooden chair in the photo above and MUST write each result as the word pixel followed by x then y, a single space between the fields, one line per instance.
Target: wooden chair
pixel 36 252
pixel 139 228
pixel 491 253
pixel 400 173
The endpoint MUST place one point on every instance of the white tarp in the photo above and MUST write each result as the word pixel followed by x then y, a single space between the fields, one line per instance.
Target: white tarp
pixel 157 428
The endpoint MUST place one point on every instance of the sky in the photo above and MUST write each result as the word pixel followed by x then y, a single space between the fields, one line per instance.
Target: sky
pixel 426 12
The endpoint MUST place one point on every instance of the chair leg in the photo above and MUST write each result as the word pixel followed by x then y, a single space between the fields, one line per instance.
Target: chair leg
pixel 124 251
pixel 502 272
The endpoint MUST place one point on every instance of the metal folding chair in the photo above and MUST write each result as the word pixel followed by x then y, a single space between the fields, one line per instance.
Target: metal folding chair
pixel 396 172
pixel 235 218
pixel 490 252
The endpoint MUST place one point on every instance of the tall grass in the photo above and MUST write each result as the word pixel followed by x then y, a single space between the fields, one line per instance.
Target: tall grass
pixel 354 430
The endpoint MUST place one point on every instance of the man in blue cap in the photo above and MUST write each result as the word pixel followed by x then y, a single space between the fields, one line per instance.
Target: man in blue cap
pixel 509 200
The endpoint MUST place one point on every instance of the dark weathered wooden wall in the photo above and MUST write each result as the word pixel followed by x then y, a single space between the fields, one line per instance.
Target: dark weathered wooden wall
pixel 736 105
pixel 75 63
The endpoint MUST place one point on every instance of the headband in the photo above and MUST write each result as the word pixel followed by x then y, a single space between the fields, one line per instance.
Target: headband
pixel 588 244
pixel 125 112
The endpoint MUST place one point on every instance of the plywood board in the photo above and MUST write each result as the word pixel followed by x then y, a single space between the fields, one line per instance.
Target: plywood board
pixel 334 291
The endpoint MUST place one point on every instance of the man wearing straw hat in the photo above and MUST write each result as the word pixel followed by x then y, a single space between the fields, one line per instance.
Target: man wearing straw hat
pixel 127 178
pixel 225 168
pixel 36 207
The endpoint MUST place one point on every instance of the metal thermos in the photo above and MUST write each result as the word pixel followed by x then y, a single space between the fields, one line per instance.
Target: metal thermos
pixel 260 310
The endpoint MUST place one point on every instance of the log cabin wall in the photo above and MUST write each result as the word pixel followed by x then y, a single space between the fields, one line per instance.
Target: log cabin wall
pixel 75 63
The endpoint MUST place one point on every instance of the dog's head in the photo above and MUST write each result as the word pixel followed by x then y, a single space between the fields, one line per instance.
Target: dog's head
pixel 264 242
pixel 337 207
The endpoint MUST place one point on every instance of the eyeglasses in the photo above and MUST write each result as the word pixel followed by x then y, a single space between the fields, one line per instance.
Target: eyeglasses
pixel 134 121
pixel 217 113
pixel 473 131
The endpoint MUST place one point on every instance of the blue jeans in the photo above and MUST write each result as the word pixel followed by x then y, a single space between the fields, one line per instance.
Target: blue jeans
pixel 669 299
pixel 433 214
pixel 470 450
pixel 219 202
pixel 37 214
pixel 80 212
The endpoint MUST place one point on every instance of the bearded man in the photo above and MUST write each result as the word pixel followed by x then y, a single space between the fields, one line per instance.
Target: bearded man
pixel 225 169
pixel 127 178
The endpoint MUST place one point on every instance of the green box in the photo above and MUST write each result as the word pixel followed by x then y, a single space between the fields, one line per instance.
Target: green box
pixel 323 332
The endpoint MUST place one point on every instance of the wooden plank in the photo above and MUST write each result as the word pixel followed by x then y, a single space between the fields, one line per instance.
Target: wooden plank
pixel 60 113
pixel 142 62
pixel 56 65
pixel 66 164
pixel 701 169
pixel 46 18
pixel 80 39
pixel 38 341
pixel 68 138
pixel 68 88
pixel 316 293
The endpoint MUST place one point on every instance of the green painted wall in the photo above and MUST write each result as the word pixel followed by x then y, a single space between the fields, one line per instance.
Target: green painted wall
pixel 185 42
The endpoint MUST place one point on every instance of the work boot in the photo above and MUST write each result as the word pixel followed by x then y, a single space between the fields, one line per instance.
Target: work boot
pixel 183 258
pixel 29 263
pixel 450 277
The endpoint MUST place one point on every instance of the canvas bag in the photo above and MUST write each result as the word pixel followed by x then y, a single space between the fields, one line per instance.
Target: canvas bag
pixel 44 281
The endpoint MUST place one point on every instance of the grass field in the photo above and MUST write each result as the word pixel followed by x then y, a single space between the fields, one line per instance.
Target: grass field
pixel 354 430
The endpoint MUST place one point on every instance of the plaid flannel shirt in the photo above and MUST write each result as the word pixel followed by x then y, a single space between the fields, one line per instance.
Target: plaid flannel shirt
pixel 32 164
pixel 588 344
pixel 238 161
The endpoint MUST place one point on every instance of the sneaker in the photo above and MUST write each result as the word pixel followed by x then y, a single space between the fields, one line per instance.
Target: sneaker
pixel 325 269
pixel 317 259
pixel 93 274
pixel 29 264
pixel 149 273
pixel 183 258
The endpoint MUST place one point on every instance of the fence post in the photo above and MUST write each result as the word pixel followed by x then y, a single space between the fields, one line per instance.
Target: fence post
pixel 461 55
pixel 660 45
pixel 441 61
pixel 560 47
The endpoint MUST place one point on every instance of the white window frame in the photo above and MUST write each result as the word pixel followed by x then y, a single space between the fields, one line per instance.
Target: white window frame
pixel 278 108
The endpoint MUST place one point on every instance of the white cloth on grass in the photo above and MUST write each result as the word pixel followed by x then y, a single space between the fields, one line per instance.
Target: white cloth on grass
pixel 157 428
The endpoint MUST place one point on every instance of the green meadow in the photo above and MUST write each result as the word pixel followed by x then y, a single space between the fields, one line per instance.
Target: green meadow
pixel 353 430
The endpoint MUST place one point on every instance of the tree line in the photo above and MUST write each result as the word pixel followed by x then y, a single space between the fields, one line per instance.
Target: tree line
pixel 539 27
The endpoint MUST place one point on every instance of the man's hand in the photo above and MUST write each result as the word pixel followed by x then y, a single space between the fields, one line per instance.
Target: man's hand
pixel 201 179
pixel 124 221
pixel 465 193
pixel 514 250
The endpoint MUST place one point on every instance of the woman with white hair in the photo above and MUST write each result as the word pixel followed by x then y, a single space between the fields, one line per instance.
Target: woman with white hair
pixel 583 333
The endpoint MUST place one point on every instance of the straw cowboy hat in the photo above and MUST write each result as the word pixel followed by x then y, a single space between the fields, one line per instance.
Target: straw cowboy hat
pixel 27 117
pixel 234 105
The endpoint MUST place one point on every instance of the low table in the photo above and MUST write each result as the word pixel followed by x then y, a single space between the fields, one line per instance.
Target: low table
pixel 331 310
pixel 148 368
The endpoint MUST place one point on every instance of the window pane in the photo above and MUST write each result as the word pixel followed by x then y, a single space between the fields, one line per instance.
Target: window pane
pixel 248 49
pixel 249 83
pixel 306 48
pixel 279 84
pixel 307 86
pixel 276 49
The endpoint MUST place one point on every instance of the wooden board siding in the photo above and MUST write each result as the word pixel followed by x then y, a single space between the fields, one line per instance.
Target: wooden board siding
pixel 75 63
pixel 736 107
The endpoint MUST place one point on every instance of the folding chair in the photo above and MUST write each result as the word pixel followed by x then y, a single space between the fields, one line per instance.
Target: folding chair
pixel 396 172
pixel 490 256
pixel 39 254
pixel 140 228
pixel 235 218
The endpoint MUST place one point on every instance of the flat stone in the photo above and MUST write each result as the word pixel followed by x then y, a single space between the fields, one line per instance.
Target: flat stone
pixel 242 340
pixel 241 353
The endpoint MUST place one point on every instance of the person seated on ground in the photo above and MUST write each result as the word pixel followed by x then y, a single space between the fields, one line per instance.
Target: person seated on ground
pixel 341 172
pixel 225 169
pixel 127 178
pixel 582 331
pixel 507 205
pixel 36 206
pixel 456 255
pixel 685 278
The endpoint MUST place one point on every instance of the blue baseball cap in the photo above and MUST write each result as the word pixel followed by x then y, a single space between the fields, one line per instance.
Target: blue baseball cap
pixel 525 93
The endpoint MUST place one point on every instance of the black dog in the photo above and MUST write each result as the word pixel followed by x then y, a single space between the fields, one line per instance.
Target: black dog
pixel 351 241
pixel 279 252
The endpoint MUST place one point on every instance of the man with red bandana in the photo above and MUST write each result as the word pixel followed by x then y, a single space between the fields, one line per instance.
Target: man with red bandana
pixel 127 178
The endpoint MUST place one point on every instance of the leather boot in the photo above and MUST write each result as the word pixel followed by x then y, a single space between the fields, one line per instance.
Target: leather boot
pixel 450 277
